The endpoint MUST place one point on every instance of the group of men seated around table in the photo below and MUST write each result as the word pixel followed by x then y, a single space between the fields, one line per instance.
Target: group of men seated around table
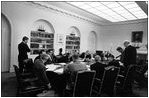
pixel 75 62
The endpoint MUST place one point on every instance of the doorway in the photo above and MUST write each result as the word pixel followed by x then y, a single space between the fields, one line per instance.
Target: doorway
pixel 92 41
pixel 6 38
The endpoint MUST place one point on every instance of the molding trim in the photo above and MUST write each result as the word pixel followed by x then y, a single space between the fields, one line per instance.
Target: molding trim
pixel 55 9
pixel 64 12
pixel 128 22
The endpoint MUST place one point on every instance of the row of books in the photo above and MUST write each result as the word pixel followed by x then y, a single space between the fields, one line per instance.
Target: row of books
pixel 72 47
pixel 34 45
pixel 39 40
pixel 41 34
pixel 73 42
pixel 72 38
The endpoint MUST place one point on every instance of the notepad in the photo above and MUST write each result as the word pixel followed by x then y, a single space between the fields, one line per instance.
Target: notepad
pixel 62 63
pixel 51 67
pixel 59 70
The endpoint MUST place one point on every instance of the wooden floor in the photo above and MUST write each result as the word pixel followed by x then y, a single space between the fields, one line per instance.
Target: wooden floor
pixel 9 87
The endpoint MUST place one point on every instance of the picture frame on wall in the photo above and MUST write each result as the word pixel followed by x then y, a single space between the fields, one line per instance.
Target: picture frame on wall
pixel 137 36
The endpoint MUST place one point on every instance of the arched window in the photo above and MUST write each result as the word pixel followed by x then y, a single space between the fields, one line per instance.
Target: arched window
pixel 92 41
pixel 42 36
pixel 73 39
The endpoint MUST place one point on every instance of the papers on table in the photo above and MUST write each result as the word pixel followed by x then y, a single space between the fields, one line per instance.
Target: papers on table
pixel 59 70
pixel 54 68
pixel 62 64
pixel 88 67
pixel 121 64
pixel 51 67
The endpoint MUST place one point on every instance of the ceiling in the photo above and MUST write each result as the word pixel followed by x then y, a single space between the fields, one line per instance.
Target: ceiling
pixel 66 6
pixel 114 11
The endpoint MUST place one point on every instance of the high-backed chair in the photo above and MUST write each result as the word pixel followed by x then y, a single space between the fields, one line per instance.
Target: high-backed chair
pixel 107 85
pixel 83 82
pixel 129 75
pixel 127 80
pixel 26 86
pixel 29 65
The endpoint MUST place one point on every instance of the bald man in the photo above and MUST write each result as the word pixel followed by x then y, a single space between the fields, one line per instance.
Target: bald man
pixel 129 60
pixel 129 56
pixel 98 67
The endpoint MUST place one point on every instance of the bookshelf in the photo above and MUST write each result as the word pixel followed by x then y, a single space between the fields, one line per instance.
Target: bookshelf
pixel 72 42
pixel 41 40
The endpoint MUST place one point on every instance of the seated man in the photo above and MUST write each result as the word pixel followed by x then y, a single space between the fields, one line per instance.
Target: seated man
pixel 73 67
pixel 120 50
pixel 86 56
pixel 40 70
pixel 60 57
pixel 40 53
pixel 76 65
pixel 98 67
pixel 112 61
pixel 52 57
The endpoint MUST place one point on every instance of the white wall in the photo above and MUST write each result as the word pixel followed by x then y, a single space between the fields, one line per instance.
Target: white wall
pixel 22 16
pixel 114 35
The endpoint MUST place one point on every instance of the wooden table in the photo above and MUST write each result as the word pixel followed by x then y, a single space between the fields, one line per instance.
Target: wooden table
pixel 57 68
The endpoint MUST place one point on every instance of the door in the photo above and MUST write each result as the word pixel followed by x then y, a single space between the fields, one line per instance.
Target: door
pixel 6 35
pixel 92 42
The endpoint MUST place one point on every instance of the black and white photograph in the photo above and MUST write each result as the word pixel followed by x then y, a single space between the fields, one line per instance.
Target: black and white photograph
pixel 74 48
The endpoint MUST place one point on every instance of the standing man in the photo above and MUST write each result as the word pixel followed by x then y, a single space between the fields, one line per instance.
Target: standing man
pixel 129 61
pixel 129 56
pixel 23 49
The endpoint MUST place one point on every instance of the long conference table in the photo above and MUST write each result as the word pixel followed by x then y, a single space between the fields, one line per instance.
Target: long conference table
pixel 58 67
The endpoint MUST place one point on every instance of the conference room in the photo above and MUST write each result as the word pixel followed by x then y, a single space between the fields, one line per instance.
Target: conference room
pixel 74 49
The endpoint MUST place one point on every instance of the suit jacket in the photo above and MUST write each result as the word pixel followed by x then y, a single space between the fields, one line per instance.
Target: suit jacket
pixel 114 63
pixel 99 68
pixel 38 57
pixel 75 66
pixel 82 55
pixel 40 71
pixel 23 49
pixel 129 55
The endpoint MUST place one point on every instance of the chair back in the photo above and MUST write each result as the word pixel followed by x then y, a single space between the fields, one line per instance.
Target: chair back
pixel 108 83
pixel 83 83
pixel 29 65
pixel 128 75
pixel 17 71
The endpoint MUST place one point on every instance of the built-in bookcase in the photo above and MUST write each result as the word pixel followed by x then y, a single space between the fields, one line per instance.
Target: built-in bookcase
pixel 72 43
pixel 41 40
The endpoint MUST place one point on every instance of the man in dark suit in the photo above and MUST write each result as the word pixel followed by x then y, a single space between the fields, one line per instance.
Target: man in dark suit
pixel 121 51
pixel 86 56
pixel 129 61
pixel 60 56
pixel 98 67
pixel 129 55
pixel 40 70
pixel 40 53
pixel 112 61
pixel 52 57
pixel 23 49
